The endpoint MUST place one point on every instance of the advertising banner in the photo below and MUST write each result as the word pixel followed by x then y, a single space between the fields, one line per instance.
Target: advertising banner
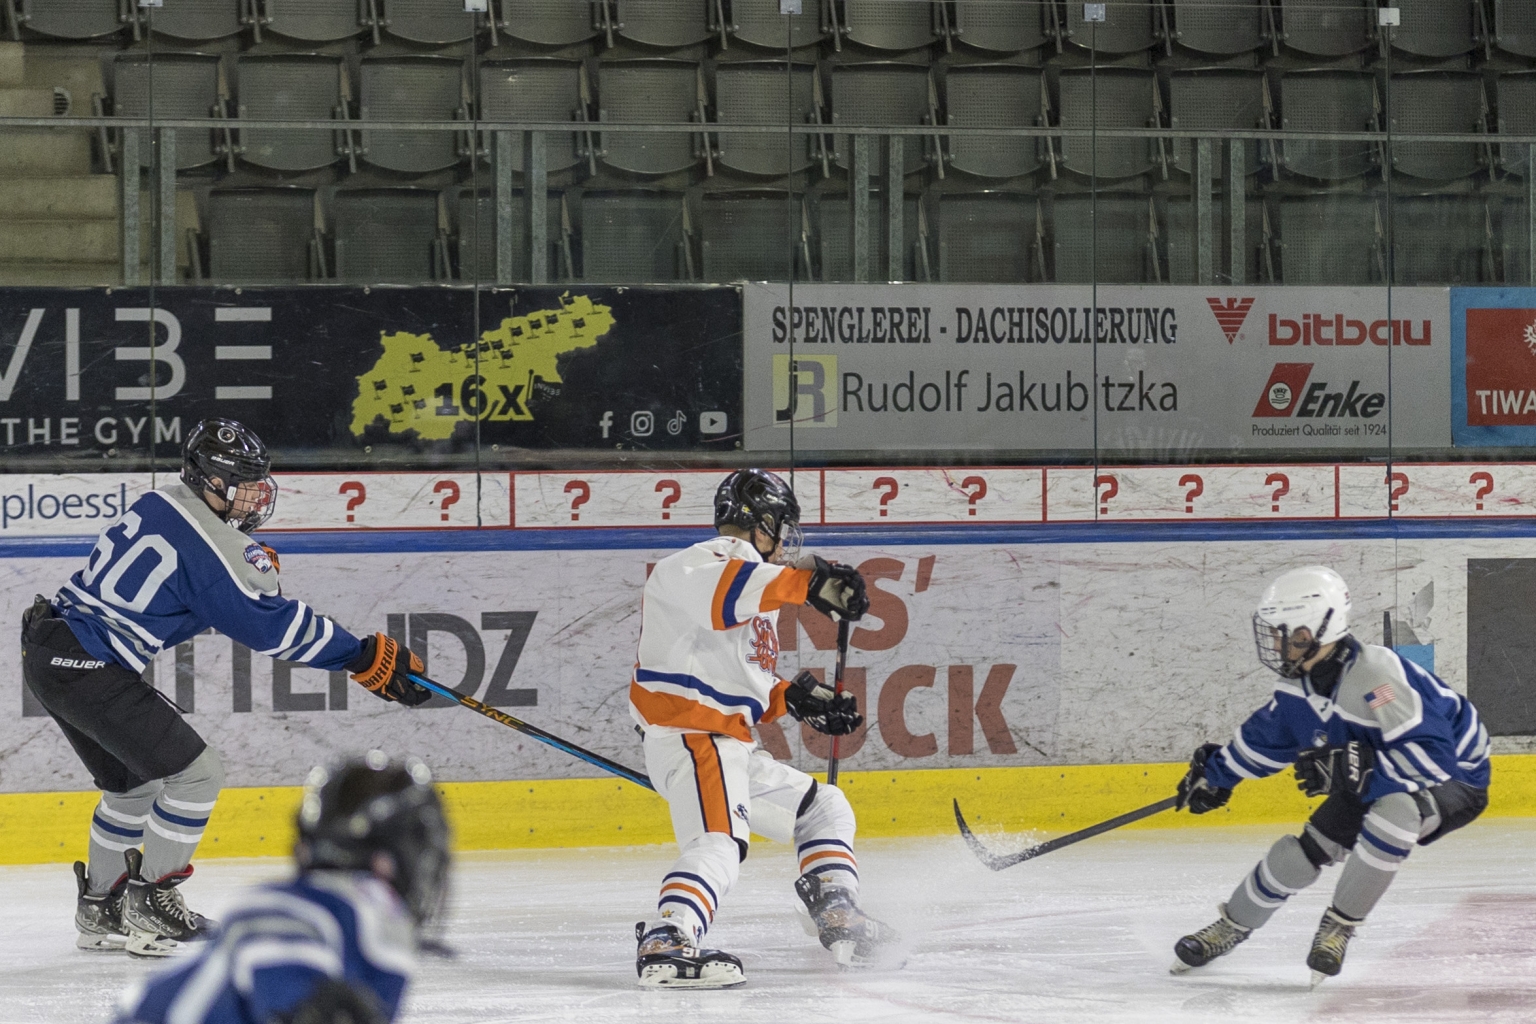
pixel 1135 370
pixel 1493 366
pixel 92 372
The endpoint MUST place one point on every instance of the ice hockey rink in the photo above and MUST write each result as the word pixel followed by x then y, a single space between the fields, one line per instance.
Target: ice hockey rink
pixel 1081 936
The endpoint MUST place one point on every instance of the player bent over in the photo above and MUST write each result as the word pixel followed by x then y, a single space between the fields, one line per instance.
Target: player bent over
pixel 338 943
pixel 1401 757
pixel 706 675
pixel 178 561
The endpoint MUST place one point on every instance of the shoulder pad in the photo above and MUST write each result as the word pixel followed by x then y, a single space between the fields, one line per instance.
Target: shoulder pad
pixel 1376 689
pixel 237 550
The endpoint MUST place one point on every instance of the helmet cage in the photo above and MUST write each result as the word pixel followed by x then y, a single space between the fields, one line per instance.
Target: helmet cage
pixel 754 499
pixel 225 458
pixel 1274 643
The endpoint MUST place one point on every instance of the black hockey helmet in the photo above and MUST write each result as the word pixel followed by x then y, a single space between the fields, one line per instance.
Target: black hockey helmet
pixel 375 814
pixel 230 452
pixel 757 499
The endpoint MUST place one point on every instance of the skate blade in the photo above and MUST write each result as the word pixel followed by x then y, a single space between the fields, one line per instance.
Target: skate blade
pixel 143 946
pixel 110 942
pixel 806 924
pixel 1318 977
pixel 842 952
pixel 1180 967
pixel 712 976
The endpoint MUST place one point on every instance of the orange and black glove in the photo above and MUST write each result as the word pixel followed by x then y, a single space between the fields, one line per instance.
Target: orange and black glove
pixel 272 554
pixel 381 670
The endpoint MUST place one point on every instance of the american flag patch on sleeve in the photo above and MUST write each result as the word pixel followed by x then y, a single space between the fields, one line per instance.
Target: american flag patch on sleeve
pixel 1383 694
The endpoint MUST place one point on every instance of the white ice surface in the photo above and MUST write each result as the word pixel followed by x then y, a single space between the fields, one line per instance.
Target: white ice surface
pixel 1081 936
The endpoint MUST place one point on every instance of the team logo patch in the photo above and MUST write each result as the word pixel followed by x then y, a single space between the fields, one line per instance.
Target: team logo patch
pixel 257 557
pixel 765 644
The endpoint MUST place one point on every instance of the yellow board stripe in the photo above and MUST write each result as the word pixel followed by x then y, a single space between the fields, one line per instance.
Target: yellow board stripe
pixel 51 827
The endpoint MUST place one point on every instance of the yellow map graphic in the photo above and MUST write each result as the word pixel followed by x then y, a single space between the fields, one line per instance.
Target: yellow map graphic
pixel 419 385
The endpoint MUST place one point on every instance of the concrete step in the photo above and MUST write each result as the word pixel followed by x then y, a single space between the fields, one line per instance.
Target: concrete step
pixel 92 197
pixel 40 152
pixel 61 241
pixel 35 274
pixel 80 74
pixel 12 64
pixel 26 102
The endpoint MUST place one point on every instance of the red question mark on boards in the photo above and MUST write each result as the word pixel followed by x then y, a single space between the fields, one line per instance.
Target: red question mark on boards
pixel 1401 480
pixel 1282 485
pixel 359 495
pixel 450 492
pixel 583 494
pixel 1486 479
pixel 974 496
pixel 1111 488
pixel 1196 488
pixel 671 499
pixel 892 489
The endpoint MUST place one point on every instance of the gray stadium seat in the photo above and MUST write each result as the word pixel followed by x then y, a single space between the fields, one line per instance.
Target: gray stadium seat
pixel 194 19
pixel 1326 28
pixel 387 236
pixel 1328 101
pixel 888 24
pixel 477 238
pixel 634 237
pixel 989 237
pixel 649 91
pixel 759 22
pixel 1222 99
pixel 1435 28
pixel 1434 102
pixel 72 19
pixel 669 23
pixel 998 28
pixel 186 85
pixel 880 94
pixel 534 89
pixel 547 22
pixel 1441 240
pixel 1126 98
pixel 313 21
pixel 1331 239
pixel 1124 227
pixel 834 232
pixel 1179 220
pixel 1517 116
pixel 1217 27
pixel 1514 27
pixel 425 88
pixel 261 235
pixel 1126 28
pixel 434 22
pixel 754 92
pixel 994 95
pixel 747 236
pixel 297 86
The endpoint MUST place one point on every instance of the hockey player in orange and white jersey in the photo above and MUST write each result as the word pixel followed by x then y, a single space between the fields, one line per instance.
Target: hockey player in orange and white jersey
pixel 706 674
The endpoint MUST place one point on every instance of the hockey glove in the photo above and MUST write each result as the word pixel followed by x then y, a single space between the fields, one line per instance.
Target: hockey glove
pixel 837 590
pixel 381 670
pixel 813 702
pixel 1329 771
pixel 1195 793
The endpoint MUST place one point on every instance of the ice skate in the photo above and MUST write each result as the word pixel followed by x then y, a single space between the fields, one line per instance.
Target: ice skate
pixel 156 916
pixel 666 959
pixel 1216 939
pixel 855 939
pixel 99 918
pixel 1329 945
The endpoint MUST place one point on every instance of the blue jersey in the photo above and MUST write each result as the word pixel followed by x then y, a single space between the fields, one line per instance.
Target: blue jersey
pixel 169 569
pixel 277 944
pixel 1423 732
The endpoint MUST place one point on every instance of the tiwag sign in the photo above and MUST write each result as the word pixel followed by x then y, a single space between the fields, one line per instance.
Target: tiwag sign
pixel 1133 369
pixel 1494 366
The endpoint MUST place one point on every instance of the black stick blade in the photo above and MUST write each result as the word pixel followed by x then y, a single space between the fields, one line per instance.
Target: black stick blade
pixel 998 862
pixel 992 860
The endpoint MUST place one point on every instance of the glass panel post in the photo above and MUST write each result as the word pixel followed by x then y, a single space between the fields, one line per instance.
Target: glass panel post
pixel 895 208
pixel 129 161
pixel 165 179
pixel 536 180
pixel 1204 230
pixel 1237 211
pixel 505 261
pixel 859 197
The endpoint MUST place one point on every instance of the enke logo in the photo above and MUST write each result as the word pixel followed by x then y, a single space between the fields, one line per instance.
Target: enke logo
pixel 805 391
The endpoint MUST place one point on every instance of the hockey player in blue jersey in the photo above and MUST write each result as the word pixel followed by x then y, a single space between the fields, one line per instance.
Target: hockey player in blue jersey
pixel 1401 757
pixel 336 945
pixel 178 561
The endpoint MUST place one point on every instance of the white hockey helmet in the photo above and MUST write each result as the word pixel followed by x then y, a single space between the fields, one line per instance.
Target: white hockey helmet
pixel 1314 598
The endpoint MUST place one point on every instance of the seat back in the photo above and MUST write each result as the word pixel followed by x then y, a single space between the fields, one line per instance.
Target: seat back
pixel 884 25
pixel 649 91
pixel 1125 99
pixel 1434 28
pixel 994 95
pixel 1326 28
pixel 425 88
pixel 1222 99
pixel 1179 222
pixel 669 23
pixel 879 94
pixel 71 19
pixel 386 235
pixel 535 89
pixel 1514 27
pixel 1517 116
pixel 175 85
pixel 1442 240
pixel 988 237
pixel 834 236
pixel 548 22
pixel 747 236
pixel 1126 28
pixel 740 92
pixel 1331 238
pixel 1436 102
pixel 260 235
pixel 999 28
pixel 761 24
pixel 195 19
pixel 296 86
pixel 1217 27
pixel 1328 101
pixel 1108 241
pixel 632 237
pixel 434 22
pixel 315 21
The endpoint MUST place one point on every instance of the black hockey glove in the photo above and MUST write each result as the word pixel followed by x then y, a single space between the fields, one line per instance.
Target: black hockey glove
pixel 380 669
pixel 1330 771
pixel 813 702
pixel 1195 793
pixel 837 590
pixel 335 1002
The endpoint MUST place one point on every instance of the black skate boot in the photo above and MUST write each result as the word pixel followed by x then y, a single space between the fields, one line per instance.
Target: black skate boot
pixel 1216 939
pixel 667 960
pixel 1329 945
pixel 855 939
pixel 155 914
pixel 99 917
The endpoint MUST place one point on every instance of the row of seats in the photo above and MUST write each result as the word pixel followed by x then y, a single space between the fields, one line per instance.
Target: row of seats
pixel 412 235
pixel 1430 28
pixel 661 90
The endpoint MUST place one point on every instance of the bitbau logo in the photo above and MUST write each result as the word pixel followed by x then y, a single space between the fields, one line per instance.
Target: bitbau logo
pixel 1287 393
pixel 805 391
pixel 1230 315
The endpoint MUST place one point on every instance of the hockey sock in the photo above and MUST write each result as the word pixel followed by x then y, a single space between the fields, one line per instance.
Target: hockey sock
pixel 824 839
pixel 117 825
pixel 1285 870
pixel 1388 835
pixel 700 877
pixel 179 815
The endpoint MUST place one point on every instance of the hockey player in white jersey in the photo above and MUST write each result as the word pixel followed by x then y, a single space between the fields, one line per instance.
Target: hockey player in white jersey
pixel 178 561
pixel 337 944
pixel 1401 757
pixel 705 675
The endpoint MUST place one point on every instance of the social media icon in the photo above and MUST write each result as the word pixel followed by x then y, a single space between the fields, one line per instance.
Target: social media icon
pixel 676 424
pixel 712 422
pixel 642 423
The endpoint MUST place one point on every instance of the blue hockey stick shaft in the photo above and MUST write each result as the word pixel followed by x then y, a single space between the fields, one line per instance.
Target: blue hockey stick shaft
pixel 532 730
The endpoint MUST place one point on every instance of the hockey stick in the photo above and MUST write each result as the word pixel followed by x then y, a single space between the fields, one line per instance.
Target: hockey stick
pixel 999 861
pixel 837 686
pixel 532 730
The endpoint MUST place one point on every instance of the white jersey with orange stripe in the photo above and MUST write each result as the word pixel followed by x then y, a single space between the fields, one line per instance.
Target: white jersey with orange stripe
pixel 709 645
